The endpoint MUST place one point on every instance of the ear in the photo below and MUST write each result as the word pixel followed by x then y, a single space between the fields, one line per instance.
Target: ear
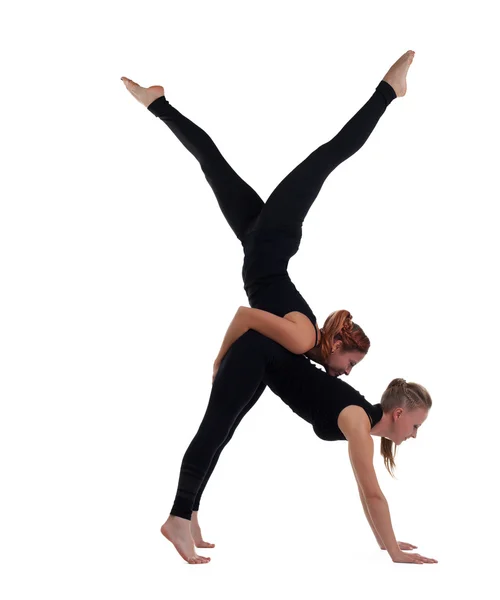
pixel 337 345
pixel 398 412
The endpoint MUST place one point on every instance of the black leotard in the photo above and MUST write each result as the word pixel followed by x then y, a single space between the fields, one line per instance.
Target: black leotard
pixel 313 394
pixel 253 361
pixel 265 275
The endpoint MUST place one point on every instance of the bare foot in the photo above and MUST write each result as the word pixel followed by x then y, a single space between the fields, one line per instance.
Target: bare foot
pixel 177 531
pixel 396 75
pixel 196 533
pixel 145 95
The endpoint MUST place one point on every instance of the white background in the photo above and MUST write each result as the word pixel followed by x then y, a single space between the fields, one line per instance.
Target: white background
pixel 119 276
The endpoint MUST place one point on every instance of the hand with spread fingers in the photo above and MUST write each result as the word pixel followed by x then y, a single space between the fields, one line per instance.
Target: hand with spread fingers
pixel 404 557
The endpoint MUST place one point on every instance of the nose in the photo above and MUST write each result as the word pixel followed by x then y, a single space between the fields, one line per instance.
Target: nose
pixel 348 370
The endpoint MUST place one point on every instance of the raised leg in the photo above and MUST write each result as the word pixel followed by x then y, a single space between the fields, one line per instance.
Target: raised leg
pixel 239 203
pixel 290 202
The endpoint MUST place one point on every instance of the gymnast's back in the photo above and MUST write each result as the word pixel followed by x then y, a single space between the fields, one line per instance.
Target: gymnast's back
pixel 311 393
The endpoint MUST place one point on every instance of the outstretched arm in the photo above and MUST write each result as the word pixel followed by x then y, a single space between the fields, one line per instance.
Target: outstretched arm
pixel 354 424
pixel 297 336
pixel 377 509
pixel 369 518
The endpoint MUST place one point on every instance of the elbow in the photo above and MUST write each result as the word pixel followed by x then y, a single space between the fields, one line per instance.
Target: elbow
pixel 370 493
pixel 243 318
pixel 374 497
pixel 241 312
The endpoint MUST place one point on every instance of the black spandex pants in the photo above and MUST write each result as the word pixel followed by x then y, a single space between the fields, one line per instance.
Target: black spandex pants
pixel 239 382
pixel 290 202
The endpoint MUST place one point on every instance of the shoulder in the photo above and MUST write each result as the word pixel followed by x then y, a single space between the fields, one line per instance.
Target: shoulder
pixel 354 421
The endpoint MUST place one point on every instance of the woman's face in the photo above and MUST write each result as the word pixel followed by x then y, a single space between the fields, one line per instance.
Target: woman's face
pixel 405 423
pixel 341 363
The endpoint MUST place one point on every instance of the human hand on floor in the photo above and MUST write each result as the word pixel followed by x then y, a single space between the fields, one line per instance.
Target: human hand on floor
pixel 404 557
pixel 402 546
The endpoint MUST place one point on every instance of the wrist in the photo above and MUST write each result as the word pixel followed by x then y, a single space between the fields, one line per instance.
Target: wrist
pixel 394 554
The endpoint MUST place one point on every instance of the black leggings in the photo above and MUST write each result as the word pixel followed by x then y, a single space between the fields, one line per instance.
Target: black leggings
pixel 290 202
pixel 234 391
pixel 239 382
